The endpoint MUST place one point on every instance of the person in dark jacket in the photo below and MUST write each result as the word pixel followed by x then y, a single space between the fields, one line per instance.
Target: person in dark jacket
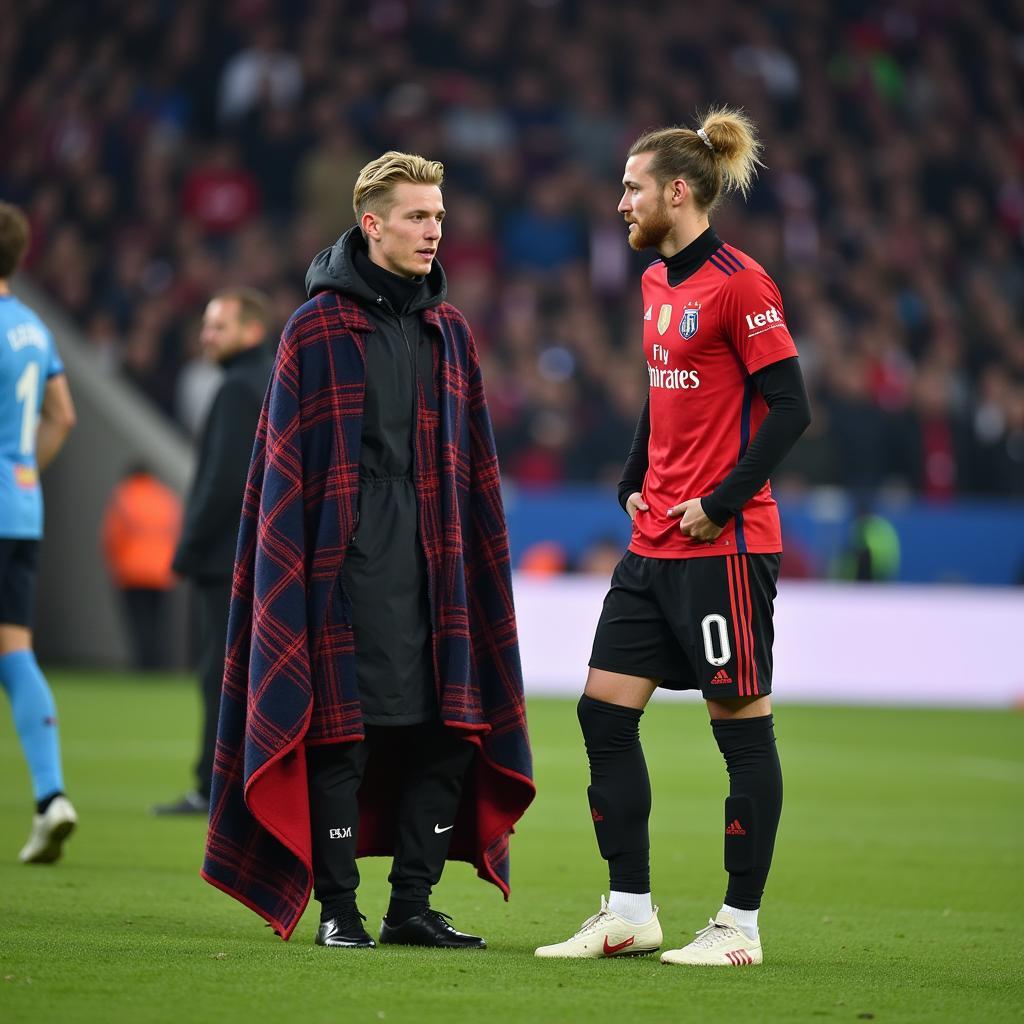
pixel 234 334
pixel 373 699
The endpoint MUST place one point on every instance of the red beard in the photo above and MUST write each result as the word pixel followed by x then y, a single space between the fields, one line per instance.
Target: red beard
pixel 652 232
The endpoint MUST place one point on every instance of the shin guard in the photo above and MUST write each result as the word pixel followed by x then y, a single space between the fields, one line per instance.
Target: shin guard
pixel 753 807
pixel 619 791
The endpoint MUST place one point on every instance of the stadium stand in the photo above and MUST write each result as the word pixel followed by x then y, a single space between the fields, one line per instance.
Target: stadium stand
pixel 164 150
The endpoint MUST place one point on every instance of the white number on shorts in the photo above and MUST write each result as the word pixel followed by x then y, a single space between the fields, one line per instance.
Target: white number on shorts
pixel 718 621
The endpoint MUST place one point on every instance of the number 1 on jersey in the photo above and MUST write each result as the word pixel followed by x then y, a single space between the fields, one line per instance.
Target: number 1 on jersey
pixel 27 391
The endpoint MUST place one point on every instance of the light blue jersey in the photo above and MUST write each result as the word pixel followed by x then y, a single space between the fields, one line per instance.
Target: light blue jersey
pixel 28 359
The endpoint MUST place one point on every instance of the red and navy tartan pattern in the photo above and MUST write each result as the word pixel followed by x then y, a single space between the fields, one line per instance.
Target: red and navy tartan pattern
pixel 290 677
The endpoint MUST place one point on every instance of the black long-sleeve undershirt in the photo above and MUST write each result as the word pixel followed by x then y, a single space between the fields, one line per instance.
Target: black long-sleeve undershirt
pixel 781 384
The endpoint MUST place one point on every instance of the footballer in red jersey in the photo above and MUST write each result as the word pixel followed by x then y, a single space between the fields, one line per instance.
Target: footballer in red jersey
pixel 704 339
pixel 690 603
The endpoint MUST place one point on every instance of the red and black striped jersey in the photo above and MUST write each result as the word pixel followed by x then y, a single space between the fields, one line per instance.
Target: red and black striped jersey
pixel 703 339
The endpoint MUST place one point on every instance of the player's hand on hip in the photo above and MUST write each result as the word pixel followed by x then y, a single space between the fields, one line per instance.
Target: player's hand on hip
pixel 694 522
pixel 635 503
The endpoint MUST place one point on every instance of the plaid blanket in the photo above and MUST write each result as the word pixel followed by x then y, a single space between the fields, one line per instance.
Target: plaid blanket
pixel 290 678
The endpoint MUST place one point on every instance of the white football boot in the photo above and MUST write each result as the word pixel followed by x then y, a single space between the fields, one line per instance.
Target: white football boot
pixel 49 830
pixel 721 944
pixel 606 935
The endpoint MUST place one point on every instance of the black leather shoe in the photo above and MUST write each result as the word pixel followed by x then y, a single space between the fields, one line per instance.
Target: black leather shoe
pixel 344 932
pixel 430 928
pixel 190 803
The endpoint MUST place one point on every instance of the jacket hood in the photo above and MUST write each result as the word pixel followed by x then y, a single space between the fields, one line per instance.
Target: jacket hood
pixel 334 269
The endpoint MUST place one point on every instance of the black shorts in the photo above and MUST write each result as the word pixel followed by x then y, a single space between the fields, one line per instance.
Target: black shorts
pixel 691 623
pixel 19 559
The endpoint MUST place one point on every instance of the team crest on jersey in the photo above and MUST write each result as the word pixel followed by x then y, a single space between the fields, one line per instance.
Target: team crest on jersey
pixel 690 322
pixel 664 318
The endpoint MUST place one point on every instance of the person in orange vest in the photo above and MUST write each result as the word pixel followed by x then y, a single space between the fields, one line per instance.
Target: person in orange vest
pixel 141 526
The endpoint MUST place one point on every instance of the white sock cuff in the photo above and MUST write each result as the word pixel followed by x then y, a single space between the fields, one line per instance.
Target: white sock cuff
pixel 635 907
pixel 745 919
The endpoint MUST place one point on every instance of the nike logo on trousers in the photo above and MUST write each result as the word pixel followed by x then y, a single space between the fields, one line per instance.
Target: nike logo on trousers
pixel 439 830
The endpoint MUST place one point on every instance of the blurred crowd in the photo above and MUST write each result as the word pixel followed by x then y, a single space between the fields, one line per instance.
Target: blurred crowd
pixel 164 150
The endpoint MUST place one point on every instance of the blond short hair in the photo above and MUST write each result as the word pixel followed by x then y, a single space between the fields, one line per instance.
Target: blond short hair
pixel 376 183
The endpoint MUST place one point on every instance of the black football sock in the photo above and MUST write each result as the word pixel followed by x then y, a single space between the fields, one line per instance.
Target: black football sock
pixel 41 805
pixel 619 791
pixel 753 807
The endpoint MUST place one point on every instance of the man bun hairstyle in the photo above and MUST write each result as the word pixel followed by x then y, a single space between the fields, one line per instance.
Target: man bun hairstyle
pixel 720 156
pixel 13 238
pixel 375 185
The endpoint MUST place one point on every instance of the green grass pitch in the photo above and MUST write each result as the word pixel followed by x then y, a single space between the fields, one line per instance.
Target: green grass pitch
pixel 896 895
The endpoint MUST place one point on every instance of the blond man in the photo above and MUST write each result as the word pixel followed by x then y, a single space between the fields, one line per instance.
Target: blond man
pixel 373 699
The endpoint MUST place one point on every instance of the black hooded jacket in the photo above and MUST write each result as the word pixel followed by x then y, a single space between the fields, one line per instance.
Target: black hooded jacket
pixel 384 575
